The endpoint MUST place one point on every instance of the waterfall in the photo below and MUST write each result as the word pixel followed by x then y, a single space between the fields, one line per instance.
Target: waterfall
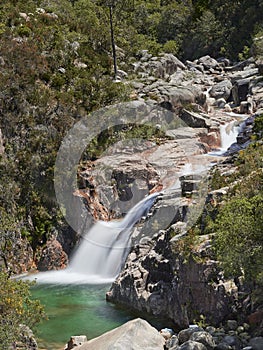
pixel 228 134
pixel 103 250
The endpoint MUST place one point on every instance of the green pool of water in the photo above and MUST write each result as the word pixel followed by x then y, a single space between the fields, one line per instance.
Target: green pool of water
pixel 75 310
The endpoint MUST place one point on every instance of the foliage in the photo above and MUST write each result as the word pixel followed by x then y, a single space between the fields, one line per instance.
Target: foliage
pixel 187 244
pixel 239 241
pixel 258 127
pixel 16 308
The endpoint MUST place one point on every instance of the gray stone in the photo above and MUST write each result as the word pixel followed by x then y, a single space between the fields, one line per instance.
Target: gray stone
pixel 204 338
pixel 172 342
pixel 166 333
pixel 232 325
pixel 133 335
pixel 192 345
pixel 210 329
pixel 208 62
pixel 194 120
pixel 221 90
pixel 223 346
pixel 185 334
pixel 256 343
pixel 233 341
pixel 75 340
pixel 248 73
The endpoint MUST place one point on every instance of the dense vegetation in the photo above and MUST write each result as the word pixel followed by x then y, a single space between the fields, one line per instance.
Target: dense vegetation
pixel 56 66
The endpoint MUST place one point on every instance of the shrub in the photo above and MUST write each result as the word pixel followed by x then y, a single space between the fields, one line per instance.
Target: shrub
pixel 239 240
pixel 16 308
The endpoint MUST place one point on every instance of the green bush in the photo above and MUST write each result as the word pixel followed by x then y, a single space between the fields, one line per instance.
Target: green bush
pixel 16 309
pixel 171 46
pixel 239 240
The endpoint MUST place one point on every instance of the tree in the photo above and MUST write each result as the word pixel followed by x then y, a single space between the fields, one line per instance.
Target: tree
pixel 239 240
pixel 119 6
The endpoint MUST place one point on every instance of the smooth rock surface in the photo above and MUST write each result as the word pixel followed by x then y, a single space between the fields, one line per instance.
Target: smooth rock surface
pixel 137 334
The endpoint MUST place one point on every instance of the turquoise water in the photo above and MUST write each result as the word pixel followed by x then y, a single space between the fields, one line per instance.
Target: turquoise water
pixel 75 310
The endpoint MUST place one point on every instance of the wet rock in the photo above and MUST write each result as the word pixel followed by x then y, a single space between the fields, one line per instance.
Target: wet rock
pixel 160 288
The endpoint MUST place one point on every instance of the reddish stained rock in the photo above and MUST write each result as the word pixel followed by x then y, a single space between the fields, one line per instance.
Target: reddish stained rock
pixel 52 256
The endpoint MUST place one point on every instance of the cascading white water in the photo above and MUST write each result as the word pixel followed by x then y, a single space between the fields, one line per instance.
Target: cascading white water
pixel 228 134
pixel 102 251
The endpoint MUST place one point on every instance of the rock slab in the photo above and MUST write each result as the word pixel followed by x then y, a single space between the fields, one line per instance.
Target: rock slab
pixel 134 335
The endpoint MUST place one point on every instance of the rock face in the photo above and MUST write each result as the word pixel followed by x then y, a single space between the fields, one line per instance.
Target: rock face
pixel 133 335
pixel 52 256
pixel 20 258
pixel 160 281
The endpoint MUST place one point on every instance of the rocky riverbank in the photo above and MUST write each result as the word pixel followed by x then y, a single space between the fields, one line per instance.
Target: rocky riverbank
pixel 139 334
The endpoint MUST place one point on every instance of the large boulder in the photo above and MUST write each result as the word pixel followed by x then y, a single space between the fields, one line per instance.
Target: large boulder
pixel 208 62
pixel 194 120
pixel 134 335
pixel 221 89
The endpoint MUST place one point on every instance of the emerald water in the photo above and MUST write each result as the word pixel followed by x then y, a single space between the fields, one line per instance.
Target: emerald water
pixel 75 310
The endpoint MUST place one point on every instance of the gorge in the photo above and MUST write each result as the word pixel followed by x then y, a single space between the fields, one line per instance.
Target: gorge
pixel 95 264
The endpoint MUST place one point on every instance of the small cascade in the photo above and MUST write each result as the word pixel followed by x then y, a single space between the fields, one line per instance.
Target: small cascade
pixel 228 134
pixel 104 247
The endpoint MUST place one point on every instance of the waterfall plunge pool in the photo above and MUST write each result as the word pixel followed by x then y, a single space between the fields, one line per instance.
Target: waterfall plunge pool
pixel 75 310
pixel 80 310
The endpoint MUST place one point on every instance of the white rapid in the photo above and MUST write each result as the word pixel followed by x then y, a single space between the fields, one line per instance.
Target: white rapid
pixel 102 251
pixel 228 136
